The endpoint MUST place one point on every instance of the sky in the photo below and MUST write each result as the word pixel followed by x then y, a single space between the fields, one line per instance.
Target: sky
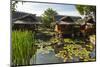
pixel 39 8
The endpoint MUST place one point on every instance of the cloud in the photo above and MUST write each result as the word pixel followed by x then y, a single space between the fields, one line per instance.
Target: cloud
pixel 39 8
pixel 69 13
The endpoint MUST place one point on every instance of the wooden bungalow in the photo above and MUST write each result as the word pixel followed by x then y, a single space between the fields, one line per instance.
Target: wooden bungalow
pixel 67 25
pixel 23 21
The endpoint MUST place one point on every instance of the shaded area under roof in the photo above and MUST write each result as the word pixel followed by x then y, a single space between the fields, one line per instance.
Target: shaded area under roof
pixel 25 22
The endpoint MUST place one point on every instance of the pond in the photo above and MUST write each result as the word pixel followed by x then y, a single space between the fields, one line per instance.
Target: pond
pixel 53 50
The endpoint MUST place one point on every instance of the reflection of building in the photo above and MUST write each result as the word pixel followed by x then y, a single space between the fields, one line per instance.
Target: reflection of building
pixel 22 20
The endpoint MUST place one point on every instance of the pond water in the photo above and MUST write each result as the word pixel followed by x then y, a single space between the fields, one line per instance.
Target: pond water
pixel 43 58
pixel 46 53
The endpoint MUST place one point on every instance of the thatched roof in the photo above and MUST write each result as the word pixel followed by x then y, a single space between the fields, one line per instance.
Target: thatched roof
pixel 65 23
pixel 61 19
pixel 58 17
pixel 24 18
pixel 67 19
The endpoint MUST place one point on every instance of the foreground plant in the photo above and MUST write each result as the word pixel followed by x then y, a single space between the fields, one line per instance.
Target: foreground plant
pixel 22 47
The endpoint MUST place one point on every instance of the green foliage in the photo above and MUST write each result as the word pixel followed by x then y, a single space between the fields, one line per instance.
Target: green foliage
pixel 68 40
pixel 74 41
pixel 89 47
pixel 86 9
pixel 70 51
pixel 54 40
pixel 48 17
pixel 46 21
pixel 14 5
pixel 92 39
pixel 50 12
pixel 22 47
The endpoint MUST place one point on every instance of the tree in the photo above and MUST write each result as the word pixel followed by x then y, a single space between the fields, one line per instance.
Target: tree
pixel 86 10
pixel 48 17
pixel 14 5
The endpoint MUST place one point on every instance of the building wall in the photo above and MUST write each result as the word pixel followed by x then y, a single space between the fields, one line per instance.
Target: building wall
pixel 23 27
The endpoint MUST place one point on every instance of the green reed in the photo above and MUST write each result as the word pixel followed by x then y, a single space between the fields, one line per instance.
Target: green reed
pixel 23 47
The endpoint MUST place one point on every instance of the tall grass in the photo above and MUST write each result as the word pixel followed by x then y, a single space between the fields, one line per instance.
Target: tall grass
pixel 22 47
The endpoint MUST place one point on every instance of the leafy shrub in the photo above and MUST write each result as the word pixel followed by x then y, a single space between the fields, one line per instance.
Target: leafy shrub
pixel 68 40
pixel 54 40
